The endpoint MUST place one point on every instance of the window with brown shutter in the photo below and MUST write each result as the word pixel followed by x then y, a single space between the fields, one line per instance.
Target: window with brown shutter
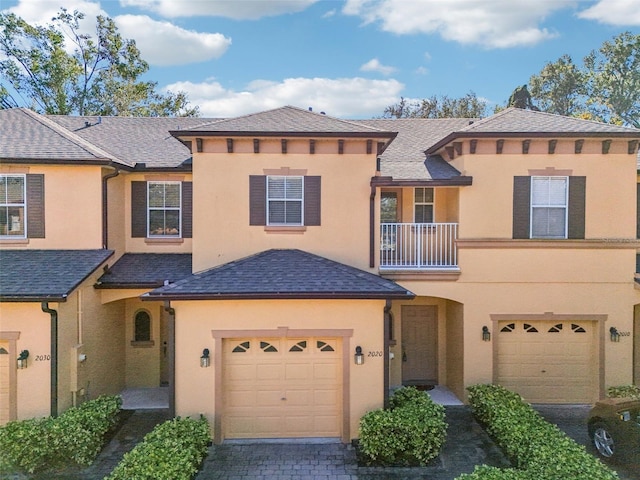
pixel 161 209
pixel 22 206
pixel 283 209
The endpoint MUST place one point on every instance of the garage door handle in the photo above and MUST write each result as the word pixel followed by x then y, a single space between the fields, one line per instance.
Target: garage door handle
pixel 543 371
pixel 283 398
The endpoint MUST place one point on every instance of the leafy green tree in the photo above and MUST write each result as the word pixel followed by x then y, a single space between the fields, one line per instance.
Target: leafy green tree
pixel 521 98
pixel 560 87
pixel 613 80
pixel 443 106
pixel 100 77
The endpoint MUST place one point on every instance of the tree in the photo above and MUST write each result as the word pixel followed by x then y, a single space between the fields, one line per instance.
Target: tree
pixel 613 80
pixel 100 77
pixel 560 88
pixel 521 98
pixel 469 106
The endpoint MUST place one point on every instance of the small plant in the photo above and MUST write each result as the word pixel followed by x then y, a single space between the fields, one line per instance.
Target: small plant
pixel 174 449
pixel 411 432
pixel 629 391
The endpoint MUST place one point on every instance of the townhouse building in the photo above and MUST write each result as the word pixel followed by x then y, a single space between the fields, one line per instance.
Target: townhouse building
pixel 281 272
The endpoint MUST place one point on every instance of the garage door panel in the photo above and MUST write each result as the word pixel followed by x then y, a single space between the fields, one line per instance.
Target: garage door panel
pixel 282 388
pixel 553 362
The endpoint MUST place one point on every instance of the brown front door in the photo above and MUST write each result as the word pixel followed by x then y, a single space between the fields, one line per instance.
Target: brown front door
pixel 419 344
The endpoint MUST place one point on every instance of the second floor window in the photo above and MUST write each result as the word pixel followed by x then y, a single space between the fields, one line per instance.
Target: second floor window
pixel 12 206
pixel 164 201
pixel 285 200
pixel 423 205
pixel 549 201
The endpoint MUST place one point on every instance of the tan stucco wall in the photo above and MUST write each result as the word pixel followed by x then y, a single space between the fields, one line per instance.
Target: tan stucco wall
pixel 221 204
pixel 195 321
pixel 73 207
pixel 116 213
pixel 33 382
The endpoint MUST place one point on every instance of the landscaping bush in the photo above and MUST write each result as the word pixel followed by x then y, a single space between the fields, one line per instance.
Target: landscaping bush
pixel 174 449
pixel 537 448
pixel 411 432
pixel 629 391
pixel 485 472
pixel 75 436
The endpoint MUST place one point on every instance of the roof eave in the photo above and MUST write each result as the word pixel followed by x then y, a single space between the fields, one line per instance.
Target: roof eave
pixel 60 298
pixel 284 133
pixel 460 181
pixel 280 296
pixel 501 134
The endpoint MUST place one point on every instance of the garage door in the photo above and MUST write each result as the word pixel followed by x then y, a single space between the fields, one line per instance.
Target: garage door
pixel 549 362
pixel 282 387
pixel 4 383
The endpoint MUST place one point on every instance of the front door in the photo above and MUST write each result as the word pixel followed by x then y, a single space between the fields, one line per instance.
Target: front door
pixel 419 345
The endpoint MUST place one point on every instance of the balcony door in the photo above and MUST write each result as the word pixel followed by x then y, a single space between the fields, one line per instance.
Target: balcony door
pixel 419 345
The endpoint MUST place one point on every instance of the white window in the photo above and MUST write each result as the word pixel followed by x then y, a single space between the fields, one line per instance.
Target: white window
pixel 12 206
pixel 285 200
pixel 164 200
pixel 549 201
pixel 423 205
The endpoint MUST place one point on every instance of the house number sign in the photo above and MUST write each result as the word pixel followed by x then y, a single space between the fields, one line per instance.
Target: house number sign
pixel 42 358
pixel 374 353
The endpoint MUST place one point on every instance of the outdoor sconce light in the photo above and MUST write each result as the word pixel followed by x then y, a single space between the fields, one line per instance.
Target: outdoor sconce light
pixel 615 335
pixel 359 356
pixel 486 334
pixel 205 360
pixel 22 359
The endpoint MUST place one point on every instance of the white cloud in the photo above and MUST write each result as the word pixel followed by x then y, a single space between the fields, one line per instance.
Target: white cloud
pixel 341 97
pixel 237 9
pixel 162 43
pixel 490 23
pixel 613 12
pixel 374 65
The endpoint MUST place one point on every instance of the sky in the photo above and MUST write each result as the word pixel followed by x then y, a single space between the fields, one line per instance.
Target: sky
pixel 348 58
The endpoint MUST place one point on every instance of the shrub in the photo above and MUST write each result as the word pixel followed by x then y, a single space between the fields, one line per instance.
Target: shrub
pixel 75 436
pixel 630 391
pixel 174 449
pixel 538 448
pixel 411 432
pixel 485 472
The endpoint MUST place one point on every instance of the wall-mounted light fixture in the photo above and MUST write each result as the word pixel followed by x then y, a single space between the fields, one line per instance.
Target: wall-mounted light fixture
pixel 22 359
pixel 486 334
pixel 205 360
pixel 614 334
pixel 358 358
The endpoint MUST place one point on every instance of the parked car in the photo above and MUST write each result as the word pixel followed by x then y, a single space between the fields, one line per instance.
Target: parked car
pixel 614 427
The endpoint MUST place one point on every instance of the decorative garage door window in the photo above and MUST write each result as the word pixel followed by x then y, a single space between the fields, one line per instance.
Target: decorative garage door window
pixel 530 328
pixel 556 328
pixel 242 347
pixel 299 347
pixel 508 328
pixel 267 347
pixel 577 328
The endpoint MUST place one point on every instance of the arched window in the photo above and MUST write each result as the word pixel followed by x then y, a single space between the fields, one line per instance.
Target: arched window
pixel 142 327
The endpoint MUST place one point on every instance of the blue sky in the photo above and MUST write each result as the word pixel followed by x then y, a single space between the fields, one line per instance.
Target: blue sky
pixel 348 58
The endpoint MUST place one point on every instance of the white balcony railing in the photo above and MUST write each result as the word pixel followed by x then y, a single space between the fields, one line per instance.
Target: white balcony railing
pixel 418 246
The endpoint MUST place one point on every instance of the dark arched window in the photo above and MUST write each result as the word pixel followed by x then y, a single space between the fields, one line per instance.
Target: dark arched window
pixel 142 332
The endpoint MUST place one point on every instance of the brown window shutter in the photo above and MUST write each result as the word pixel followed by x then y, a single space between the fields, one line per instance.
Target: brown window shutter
pixel 257 200
pixel 138 209
pixel 187 209
pixel 638 210
pixel 521 207
pixel 35 206
pixel 576 223
pixel 312 200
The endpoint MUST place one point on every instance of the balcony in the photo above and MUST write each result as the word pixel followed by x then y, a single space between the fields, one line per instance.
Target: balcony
pixel 418 246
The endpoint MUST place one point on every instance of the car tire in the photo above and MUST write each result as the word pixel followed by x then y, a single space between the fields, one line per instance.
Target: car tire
pixel 603 441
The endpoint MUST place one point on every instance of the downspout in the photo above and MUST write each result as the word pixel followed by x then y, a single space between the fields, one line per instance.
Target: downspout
pixel 172 356
pixel 105 225
pixel 54 357
pixel 372 220
pixel 386 350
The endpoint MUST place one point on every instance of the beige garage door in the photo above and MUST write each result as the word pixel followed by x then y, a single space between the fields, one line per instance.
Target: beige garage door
pixel 282 387
pixel 549 362
pixel 4 383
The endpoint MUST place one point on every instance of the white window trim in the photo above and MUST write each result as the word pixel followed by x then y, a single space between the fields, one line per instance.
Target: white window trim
pixel 301 201
pixel 178 208
pixel 433 204
pixel 565 206
pixel 23 204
